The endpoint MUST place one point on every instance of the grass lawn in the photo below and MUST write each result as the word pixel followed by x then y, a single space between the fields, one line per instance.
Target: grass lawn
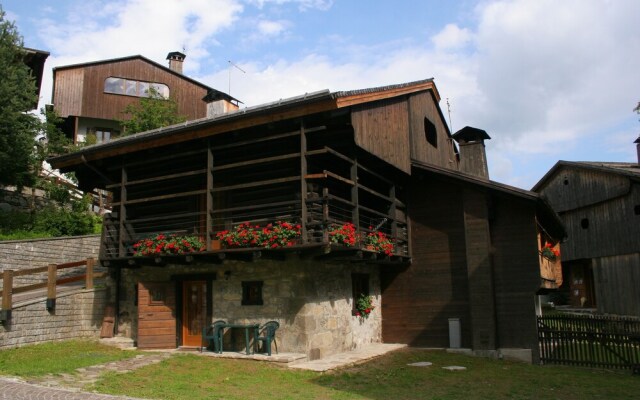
pixel 385 378
pixel 58 357
pixel 188 376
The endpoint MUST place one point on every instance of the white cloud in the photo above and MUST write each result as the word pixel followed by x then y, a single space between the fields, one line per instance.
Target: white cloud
pixel 451 37
pixel 303 5
pixel 271 28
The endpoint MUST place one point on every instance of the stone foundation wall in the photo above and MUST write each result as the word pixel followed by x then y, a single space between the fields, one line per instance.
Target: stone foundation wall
pixel 78 314
pixel 13 200
pixel 311 300
pixel 25 254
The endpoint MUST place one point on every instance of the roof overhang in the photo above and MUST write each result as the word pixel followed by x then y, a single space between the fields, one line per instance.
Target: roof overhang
pixel 284 109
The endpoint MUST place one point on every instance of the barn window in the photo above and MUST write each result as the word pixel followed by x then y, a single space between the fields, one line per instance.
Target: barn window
pixel 360 287
pixel 130 87
pixel 252 293
pixel 636 209
pixel 430 132
pixel 584 223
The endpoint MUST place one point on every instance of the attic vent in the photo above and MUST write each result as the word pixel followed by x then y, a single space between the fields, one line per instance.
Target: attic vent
pixel 584 223
pixel 430 132
pixel 636 209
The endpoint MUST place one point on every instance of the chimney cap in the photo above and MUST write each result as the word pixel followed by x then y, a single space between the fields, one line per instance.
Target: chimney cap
pixel 637 140
pixel 176 55
pixel 470 134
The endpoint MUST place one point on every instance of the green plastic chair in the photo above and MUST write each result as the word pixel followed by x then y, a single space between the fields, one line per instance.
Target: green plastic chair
pixel 268 331
pixel 212 335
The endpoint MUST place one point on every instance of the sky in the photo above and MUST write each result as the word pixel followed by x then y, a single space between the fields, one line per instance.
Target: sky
pixel 548 80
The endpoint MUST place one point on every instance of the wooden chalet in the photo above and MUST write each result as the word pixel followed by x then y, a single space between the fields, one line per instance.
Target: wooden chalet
pixel 91 97
pixel 599 203
pixel 35 60
pixel 379 161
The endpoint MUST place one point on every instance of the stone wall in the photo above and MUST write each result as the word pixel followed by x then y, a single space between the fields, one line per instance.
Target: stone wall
pixel 78 314
pixel 25 254
pixel 311 300
pixel 13 200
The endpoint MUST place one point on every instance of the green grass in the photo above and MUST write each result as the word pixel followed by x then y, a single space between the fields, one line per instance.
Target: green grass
pixel 188 376
pixel 385 378
pixel 58 357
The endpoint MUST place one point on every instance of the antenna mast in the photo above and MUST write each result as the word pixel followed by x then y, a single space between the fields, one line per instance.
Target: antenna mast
pixel 231 64
pixel 449 113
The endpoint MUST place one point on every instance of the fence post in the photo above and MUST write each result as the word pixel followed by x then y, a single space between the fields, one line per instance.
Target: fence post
pixel 51 286
pixel 89 274
pixel 7 291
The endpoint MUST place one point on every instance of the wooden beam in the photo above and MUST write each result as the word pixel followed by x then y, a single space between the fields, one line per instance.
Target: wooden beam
pixel 122 213
pixel 209 198
pixel 355 212
pixel 256 161
pixel 373 192
pixel 145 161
pixel 256 206
pixel 89 273
pixel 303 184
pixel 241 143
pixel 328 150
pixel 375 174
pixel 254 184
pixel 7 289
pixel 51 281
pixel 328 174
pixel 163 197
pixel 160 178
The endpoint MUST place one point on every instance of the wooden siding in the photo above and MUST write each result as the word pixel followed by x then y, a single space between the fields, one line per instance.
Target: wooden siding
pixel 421 106
pixel 613 228
pixel 516 272
pixel 479 270
pixel 617 283
pixel 417 302
pixel 67 94
pixel 382 128
pixel 573 188
pixel 97 104
pixel 156 320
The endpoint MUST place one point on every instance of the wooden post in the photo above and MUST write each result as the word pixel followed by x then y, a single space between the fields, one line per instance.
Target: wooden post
pixel 7 289
pixel 303 184
pixel 122 215
pixel 89 273
pixel 51 286
pixel 209 217
pixel 325 215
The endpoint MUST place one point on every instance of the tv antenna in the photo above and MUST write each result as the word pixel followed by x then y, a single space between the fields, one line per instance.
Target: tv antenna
pixel 231 64
pixel 449 113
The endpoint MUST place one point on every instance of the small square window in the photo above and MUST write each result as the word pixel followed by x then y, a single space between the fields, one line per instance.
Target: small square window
pixel 252 293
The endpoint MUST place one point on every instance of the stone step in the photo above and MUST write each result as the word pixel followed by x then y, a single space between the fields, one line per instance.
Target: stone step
pixel 120 342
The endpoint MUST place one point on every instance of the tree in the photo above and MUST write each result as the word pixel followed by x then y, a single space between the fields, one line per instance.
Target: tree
pixel 151 113
pixel 18 128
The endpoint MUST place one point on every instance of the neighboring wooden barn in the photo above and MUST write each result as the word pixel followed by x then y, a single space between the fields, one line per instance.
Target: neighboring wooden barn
pixel 381 159
pixel 599 203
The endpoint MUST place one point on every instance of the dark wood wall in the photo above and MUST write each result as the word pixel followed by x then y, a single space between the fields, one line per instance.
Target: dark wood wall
pixel 89 81
pixel 617 284
pixel 382 128
pixel 599 211
pixel 516 272
pixel 417 302
pixel 421 106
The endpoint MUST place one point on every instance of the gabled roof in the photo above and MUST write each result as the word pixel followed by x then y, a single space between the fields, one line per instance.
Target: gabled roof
pixel 307 104
pixel 630 170
pixel 211 92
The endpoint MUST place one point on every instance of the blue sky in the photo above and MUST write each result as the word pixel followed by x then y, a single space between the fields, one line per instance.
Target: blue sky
pixel 547 79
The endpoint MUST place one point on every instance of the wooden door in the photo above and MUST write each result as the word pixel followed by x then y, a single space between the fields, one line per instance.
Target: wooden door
pixel 156 315
pixel 194 311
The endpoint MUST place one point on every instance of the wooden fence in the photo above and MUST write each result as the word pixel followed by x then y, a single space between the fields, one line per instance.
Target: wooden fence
pixel 8 290
pixel 590 341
